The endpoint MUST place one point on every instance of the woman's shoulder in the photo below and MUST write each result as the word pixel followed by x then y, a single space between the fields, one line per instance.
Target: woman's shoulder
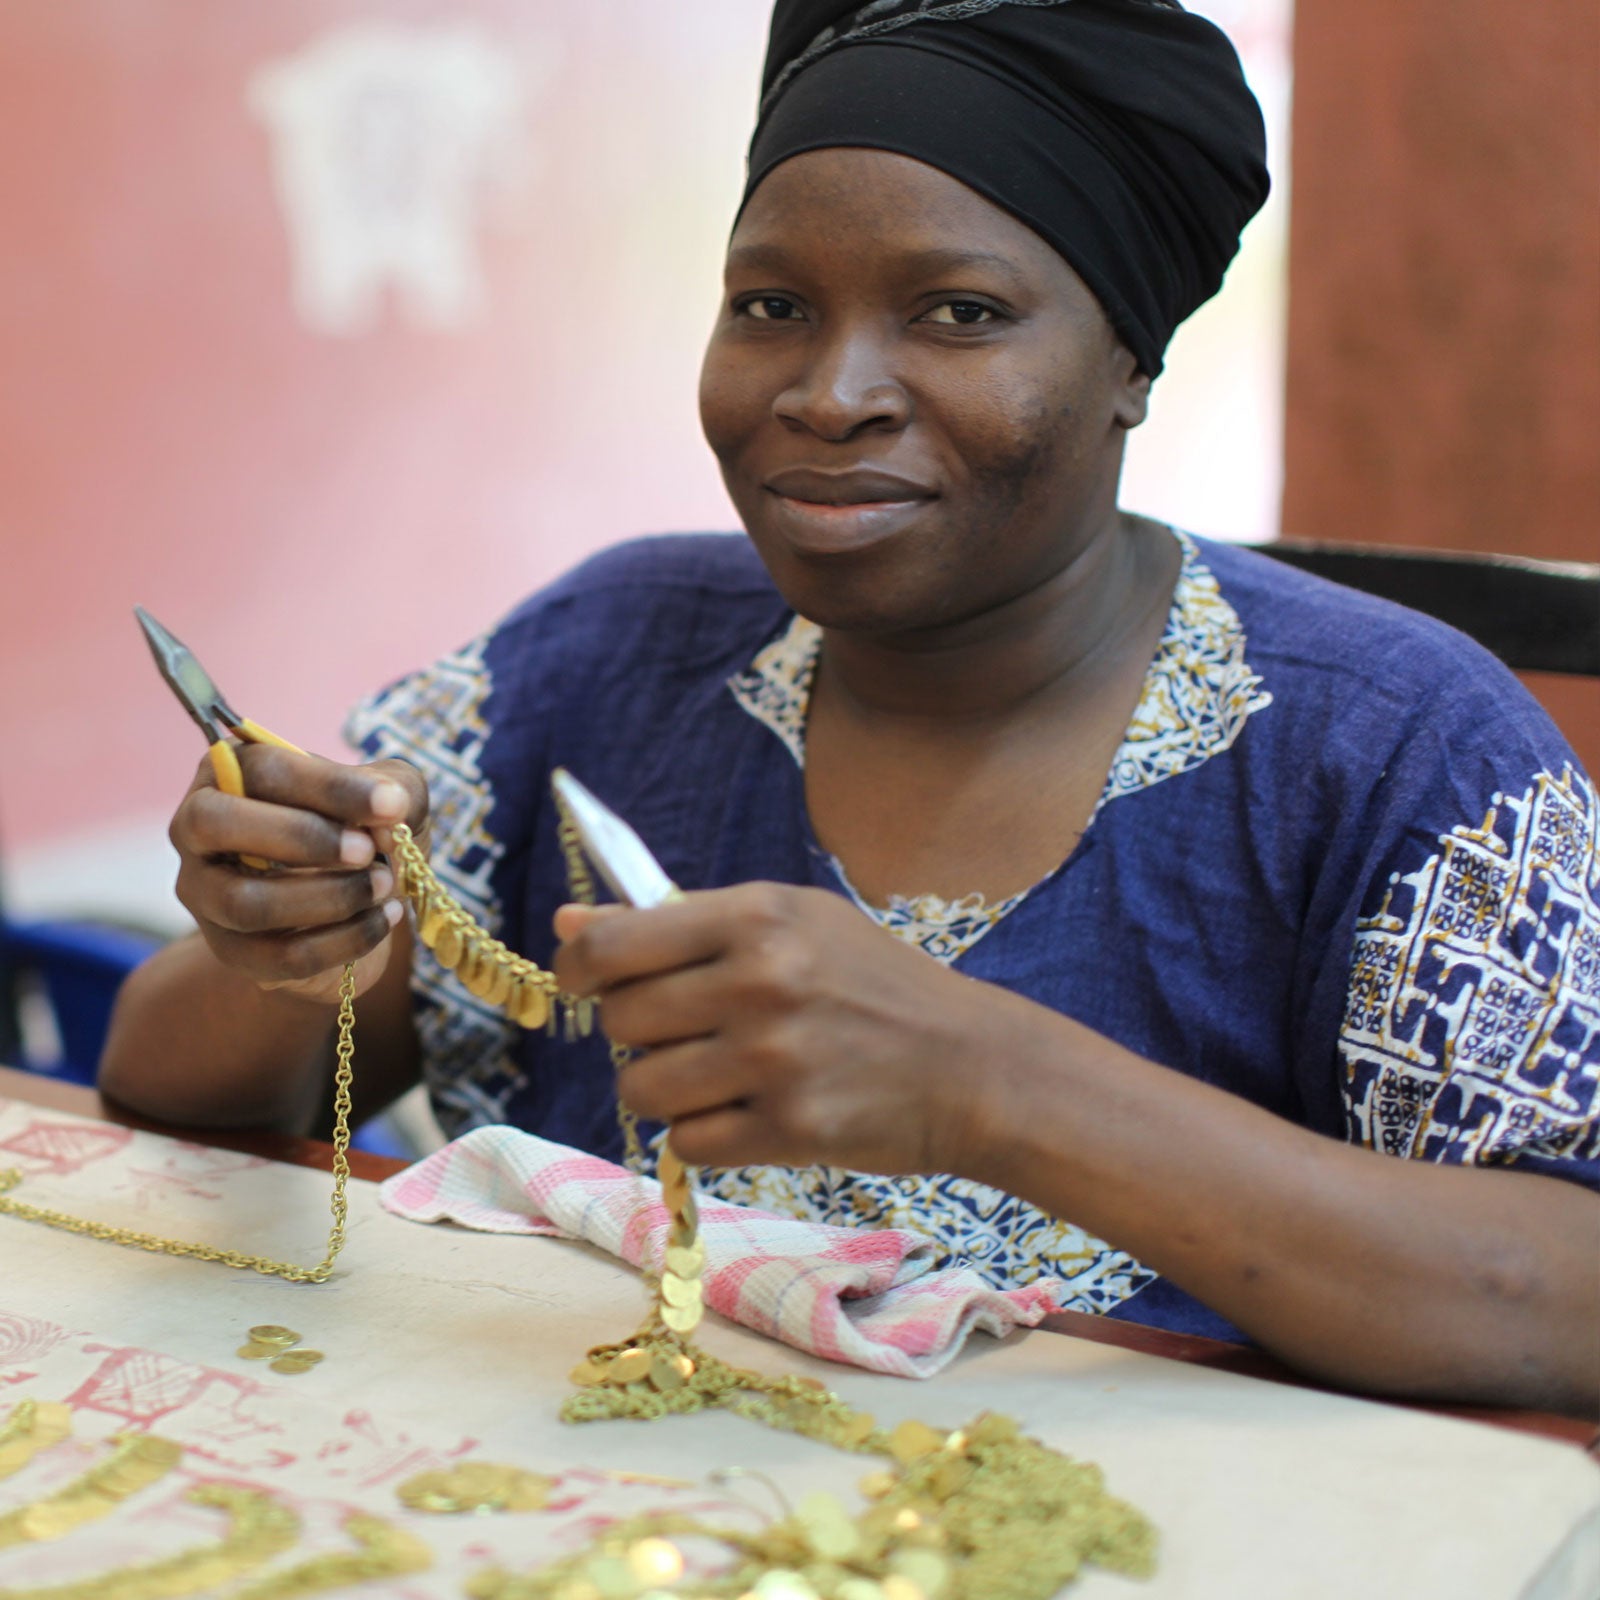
pixel 1336 644
pixel 1374 705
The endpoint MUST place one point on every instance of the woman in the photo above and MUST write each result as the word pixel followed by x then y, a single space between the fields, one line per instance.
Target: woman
pixel 1237 887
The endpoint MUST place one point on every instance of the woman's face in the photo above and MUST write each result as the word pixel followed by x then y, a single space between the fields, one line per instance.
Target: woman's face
pixel 918 406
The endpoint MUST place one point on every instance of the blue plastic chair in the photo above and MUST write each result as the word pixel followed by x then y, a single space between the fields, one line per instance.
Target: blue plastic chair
pixel 79 966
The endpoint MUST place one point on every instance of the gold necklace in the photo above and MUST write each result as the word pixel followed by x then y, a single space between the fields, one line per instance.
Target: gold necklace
pixel 33 1426
pixel 527 993
pixel 245 1262
pixel 260 1527
pixel 138 1460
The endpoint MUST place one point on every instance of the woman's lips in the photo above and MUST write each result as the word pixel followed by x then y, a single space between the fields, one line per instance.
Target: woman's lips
pixel 821 528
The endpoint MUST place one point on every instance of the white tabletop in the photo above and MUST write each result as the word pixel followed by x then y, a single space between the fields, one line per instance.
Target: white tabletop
pixel 442 1344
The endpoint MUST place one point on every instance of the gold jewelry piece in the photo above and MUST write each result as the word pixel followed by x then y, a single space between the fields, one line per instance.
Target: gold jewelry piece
pixel 386 1551
pixel 526 992
pixel 271 1333
pixel 138 1461
pixel 259 1528
pixel 980 1512
pixel 294 1362
pixel 33 1427
pixel 476 1486
pixel 976 1514
pixel 338 1203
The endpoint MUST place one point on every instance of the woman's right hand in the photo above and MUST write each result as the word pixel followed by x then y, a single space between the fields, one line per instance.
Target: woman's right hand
pixel 328 898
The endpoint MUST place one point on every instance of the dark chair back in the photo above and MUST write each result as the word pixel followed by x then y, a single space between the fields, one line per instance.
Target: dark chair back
pixel 1537 616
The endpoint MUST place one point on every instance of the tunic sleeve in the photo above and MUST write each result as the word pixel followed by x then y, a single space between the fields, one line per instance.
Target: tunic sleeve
pixel 1471 1031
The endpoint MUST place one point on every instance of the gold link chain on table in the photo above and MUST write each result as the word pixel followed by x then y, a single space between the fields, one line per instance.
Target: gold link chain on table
pixel 529 995
pixel 338 1204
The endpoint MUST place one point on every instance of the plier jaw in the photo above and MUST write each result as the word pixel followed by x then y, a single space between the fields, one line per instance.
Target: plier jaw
pixel 620 856
pixel 189 681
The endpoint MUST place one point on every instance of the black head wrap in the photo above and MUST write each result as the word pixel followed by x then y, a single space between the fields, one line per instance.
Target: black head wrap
pixel 1121 131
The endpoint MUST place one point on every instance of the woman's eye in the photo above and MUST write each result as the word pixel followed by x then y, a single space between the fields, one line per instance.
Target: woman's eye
pixel 961 312
pixel 770 308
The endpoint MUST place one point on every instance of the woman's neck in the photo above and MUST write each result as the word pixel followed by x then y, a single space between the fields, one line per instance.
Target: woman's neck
pixel 1049 644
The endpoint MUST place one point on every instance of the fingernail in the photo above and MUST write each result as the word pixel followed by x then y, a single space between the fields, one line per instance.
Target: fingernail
pixel 382 882
pixel 355 848
pixel 393 911
pixel 387 799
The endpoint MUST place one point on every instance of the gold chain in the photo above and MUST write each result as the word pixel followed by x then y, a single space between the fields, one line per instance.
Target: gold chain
pixel 495 974
pixel 490 971
pixel 338 1205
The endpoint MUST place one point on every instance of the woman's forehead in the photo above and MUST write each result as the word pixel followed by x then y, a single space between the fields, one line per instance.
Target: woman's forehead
pixel 825 201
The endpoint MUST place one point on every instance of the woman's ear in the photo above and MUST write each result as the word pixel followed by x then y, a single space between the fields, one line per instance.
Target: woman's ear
pixel 1132 403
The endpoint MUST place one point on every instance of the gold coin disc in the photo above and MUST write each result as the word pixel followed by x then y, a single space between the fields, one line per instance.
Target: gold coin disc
pixel 681 1291
pixel 630 1367
pixel 665 1374
pixel 449 945
pixel 259 1352
pixel 682 1319
pixel 686 1260
pixel 272 1333
pixel 532 1006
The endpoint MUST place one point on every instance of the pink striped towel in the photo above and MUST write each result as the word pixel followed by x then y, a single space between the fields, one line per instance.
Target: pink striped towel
pixel 867 1297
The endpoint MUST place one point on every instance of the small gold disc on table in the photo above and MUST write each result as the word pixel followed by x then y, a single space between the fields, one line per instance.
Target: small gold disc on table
pixel 271 1333
pixel 476 1486
pixel 259 1352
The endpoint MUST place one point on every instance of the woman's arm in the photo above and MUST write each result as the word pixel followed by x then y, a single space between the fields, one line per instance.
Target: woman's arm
pixel 1387 1275
pixel 235 1026
pixel 782 1026
pixel 197 1044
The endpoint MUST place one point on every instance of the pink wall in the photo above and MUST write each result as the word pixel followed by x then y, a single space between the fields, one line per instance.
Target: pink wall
pixel 312 512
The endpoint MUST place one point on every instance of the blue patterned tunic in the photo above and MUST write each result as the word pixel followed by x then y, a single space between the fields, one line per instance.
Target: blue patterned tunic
pixel 1343 866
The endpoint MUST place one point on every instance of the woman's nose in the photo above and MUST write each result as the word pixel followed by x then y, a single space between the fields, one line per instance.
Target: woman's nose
pixel 845 386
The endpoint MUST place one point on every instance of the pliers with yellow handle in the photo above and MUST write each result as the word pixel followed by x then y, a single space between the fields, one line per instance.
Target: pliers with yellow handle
pixel 204 701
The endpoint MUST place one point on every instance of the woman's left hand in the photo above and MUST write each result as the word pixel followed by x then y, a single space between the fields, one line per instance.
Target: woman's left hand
pixel 778 1024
